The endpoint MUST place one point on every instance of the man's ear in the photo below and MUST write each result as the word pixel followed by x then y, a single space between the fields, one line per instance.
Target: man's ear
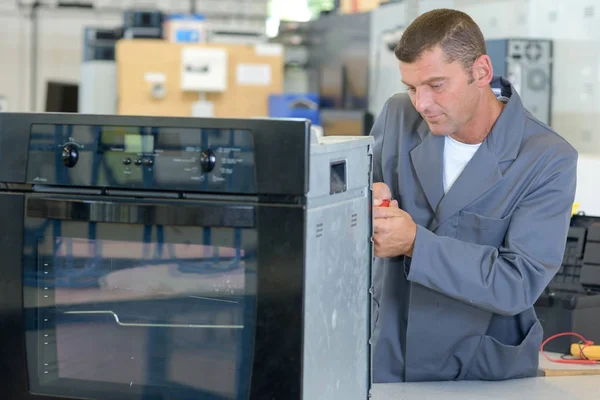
pixel 483 72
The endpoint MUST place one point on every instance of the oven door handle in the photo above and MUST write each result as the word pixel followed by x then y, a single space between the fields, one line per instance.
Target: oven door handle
pixel 208 215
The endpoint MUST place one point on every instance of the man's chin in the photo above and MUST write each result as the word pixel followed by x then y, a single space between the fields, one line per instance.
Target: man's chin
pixel 438 129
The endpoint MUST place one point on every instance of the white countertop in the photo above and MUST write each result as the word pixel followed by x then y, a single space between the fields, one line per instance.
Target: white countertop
pixel 547 388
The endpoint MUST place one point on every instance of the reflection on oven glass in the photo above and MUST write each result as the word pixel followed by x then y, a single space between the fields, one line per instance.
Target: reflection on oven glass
pixel 169 315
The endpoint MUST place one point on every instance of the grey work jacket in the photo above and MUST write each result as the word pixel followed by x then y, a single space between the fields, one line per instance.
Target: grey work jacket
pixel 462 307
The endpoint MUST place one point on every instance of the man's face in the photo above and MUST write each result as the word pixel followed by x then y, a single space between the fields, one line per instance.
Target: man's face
pixel 442 92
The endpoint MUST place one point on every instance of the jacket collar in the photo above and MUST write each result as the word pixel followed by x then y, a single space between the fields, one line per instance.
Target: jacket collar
pixel 502 144
pixel 507 133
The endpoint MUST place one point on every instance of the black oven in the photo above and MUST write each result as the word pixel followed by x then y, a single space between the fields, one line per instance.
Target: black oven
pixel 151 258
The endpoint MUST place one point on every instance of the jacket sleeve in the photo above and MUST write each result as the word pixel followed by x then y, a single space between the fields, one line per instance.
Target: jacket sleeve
pixel 378 133
pixel 509 279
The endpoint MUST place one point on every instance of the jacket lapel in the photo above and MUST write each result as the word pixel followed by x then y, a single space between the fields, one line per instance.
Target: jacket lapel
pixel 480 175
pixel 427 159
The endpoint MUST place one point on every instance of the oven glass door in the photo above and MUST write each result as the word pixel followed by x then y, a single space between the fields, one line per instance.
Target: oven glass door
pixel 131 299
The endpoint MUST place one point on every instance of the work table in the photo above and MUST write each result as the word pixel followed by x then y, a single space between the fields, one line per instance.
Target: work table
pixel 553 384
pixel 547 388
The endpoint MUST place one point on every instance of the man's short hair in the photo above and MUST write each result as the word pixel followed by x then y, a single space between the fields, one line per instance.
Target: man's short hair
pixel 455 32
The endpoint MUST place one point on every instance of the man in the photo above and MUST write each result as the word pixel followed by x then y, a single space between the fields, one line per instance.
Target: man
pixel 481 201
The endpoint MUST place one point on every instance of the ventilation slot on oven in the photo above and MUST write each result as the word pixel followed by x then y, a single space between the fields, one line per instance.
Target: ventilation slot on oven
pixel 319 230
pixel 354 220
pixel 337 177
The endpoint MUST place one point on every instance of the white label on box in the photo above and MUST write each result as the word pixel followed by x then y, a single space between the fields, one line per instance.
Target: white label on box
pixel 203 69
pixel 254 74
pixel 155 77
pixel 269 49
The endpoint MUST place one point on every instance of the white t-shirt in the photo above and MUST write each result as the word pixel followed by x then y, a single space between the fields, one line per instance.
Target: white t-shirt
pixel 456 157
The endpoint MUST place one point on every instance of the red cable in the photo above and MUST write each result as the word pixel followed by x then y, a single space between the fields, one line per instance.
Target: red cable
pixel 585 344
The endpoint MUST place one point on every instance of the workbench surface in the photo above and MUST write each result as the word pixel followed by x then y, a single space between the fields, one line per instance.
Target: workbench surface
pixel 547 388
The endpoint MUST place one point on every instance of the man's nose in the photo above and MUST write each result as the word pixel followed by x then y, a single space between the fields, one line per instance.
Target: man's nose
pixel 422 100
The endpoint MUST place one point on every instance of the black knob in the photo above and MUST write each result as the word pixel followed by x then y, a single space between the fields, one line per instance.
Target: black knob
pixel 70 155
pixel 127 161
pixel 138 162
pixel 207 160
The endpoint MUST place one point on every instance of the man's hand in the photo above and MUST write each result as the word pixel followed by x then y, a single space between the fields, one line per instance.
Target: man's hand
pixel 381 192
pixel 394 232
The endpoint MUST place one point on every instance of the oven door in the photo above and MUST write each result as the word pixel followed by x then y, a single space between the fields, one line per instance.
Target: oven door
pixel 126 299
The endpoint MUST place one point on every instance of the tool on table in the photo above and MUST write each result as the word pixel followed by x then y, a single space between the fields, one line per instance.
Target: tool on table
pixel 584 352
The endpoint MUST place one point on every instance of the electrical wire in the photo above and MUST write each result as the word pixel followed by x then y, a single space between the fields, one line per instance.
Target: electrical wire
pixel 583 344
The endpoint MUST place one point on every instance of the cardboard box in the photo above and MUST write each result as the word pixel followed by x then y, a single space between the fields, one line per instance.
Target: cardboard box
pixel 150 79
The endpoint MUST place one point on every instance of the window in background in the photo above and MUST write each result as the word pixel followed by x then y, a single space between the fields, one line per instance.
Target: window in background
pixel 317 6
pixel 288 10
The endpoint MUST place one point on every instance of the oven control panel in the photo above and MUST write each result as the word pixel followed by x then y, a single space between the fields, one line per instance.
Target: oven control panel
pixel 153 158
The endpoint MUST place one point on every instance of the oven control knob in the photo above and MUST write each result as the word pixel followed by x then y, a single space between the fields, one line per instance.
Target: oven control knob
pixel 70 155
pixel 207 160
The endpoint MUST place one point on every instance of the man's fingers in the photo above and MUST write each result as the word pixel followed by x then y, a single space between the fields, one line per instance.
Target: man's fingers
pixel 385 203
pixel 380 225
pixel 377 226
pixel 387 212
pixel 381 191
pixel 382 212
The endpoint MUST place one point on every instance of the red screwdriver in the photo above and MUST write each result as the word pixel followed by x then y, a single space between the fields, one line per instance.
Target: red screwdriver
pixel 385 203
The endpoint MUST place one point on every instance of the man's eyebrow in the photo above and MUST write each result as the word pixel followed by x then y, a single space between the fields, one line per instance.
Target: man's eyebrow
pixel 430 80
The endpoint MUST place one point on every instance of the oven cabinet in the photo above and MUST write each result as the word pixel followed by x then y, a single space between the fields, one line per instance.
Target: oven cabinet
pixel 123 298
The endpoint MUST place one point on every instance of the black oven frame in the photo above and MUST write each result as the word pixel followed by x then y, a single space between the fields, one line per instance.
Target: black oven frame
pixel 281 162
pixel 277 348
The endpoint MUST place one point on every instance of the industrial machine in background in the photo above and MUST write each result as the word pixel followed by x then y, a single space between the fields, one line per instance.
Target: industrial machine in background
pixel 296 101
pixel 354 66
pixel 527 64
pixel 183 258
pixel 571 302
pixel 342 62
pixel 294 36
pixel 338 58
pixel 141 24
pixel 338 64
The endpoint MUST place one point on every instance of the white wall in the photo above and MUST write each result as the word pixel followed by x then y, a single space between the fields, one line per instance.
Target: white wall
pixel 499 19
pixel 13 43
pixel 384 76
pixel 588 193
pixel 60 47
